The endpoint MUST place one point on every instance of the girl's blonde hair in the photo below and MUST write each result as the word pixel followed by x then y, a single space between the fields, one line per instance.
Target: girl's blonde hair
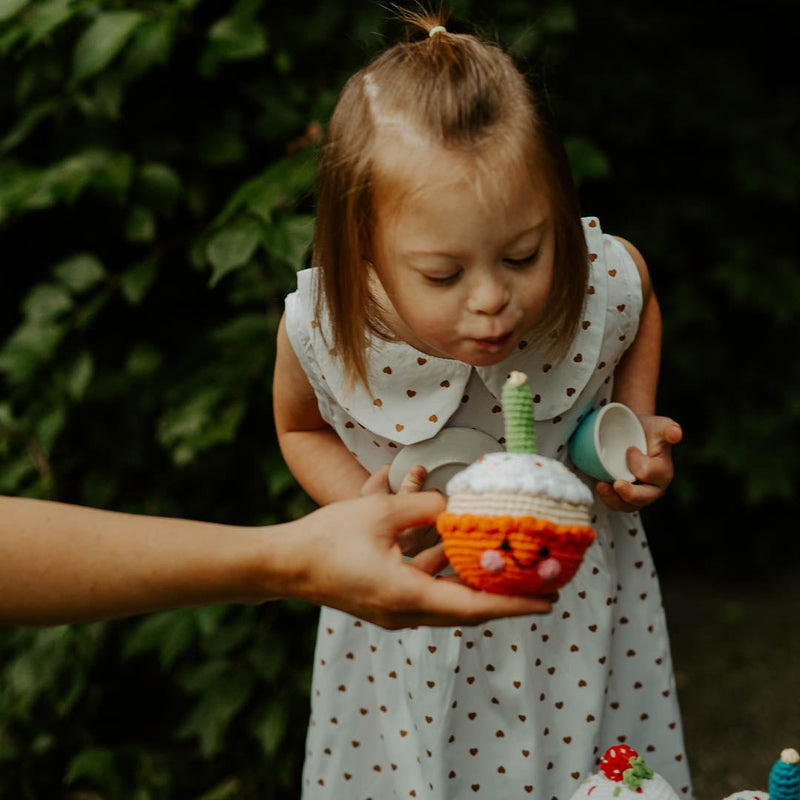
pixel 460 93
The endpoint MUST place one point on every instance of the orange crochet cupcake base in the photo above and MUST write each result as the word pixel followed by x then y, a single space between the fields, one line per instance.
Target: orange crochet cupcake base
pixel 513 555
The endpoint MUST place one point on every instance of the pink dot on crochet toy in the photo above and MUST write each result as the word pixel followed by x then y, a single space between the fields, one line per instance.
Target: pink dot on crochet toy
pixel 492 561
pixel 549 569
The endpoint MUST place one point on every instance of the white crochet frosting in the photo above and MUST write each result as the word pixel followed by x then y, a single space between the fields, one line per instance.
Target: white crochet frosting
pixel 525 473
pixel 598 787
pixel 750 794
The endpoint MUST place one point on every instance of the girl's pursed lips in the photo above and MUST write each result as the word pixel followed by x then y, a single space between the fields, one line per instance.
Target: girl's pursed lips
pixel 492 342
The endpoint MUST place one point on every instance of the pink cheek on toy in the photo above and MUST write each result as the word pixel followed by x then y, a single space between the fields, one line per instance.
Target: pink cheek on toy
pixel 492 561
pixel 549 569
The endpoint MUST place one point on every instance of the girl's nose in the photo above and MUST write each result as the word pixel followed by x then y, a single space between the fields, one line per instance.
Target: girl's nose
pixel 488 295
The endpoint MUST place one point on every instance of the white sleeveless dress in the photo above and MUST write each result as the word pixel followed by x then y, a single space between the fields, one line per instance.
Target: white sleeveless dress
pixel 513 708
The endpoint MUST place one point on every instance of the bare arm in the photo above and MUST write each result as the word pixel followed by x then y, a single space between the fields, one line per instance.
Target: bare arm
pixel 635 385
pixel 317 457
pixel 62 563
pixel 636 376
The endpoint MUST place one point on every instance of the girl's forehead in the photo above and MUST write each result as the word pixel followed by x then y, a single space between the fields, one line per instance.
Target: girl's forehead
pixel 408 166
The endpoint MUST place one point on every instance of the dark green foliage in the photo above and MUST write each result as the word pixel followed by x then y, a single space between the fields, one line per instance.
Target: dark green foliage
pixel 157 163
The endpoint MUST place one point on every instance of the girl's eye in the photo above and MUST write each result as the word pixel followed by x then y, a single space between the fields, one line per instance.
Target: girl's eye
pixel 442 280
pixel 522 262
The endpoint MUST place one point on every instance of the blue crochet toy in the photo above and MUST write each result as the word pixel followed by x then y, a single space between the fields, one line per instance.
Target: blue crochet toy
pixel 784 780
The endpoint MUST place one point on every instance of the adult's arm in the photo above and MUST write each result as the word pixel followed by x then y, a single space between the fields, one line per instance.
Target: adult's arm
pixel 62 563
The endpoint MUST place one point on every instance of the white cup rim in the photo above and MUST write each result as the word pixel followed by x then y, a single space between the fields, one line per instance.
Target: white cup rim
pixel 615 462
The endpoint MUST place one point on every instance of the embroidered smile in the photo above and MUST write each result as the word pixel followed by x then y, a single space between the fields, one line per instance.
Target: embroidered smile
pixel 544 552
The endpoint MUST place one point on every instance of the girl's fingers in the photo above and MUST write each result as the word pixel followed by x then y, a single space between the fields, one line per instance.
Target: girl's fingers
pixel 625 496
pixel 674 433
pixel 637 495
pixel 661 432
pixel 610 498
pixel 655 471
pixel 413 480
pixel 377 483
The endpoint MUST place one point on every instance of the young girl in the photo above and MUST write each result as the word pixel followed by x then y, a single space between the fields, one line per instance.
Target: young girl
pixel 449 250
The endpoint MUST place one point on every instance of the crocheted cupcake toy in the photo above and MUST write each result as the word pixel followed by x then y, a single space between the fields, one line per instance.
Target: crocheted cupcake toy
pixel 623 774
pixel 784 780
pixel 516 522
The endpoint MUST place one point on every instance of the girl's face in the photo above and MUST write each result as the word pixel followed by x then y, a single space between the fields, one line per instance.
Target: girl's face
pixel 465 259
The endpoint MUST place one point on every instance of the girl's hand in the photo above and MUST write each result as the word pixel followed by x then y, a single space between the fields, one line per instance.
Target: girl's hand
pixel 653 471
pixel 413 540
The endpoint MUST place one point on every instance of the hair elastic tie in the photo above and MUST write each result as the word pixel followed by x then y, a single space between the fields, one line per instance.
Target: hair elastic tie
pixel 436 29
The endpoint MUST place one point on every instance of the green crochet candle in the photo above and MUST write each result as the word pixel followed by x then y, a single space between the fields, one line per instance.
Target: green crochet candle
pixel 518 412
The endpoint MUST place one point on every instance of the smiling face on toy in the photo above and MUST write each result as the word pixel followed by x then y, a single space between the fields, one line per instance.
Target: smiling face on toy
pixel 545 565
pixel 513 555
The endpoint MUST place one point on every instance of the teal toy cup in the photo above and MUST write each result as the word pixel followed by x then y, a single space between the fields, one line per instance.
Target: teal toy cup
pixel 600 444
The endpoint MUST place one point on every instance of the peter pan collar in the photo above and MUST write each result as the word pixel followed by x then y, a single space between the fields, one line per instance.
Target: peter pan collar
pixel 412 394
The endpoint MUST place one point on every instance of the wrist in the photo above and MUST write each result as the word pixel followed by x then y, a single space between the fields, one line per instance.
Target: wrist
pixel 277 562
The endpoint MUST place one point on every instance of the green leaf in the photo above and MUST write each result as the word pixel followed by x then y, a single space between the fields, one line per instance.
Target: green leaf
pixel 159 186
pixel 191 416
pixel 80 272
pixel 46 302
pixel 66 180
pixel 14 474
pixel 76 688
pixel 210 619
pixel 269 660
pixel 30 348
pixel 236 632
pixel 140 225
pixel 223 143
pixel 136 282
pixel 233 38
pixel 229 789
pixel 201 422
pixel 238 37
pixel 270 728
pixel 80 375
pixel 289 239
pixel 103 40
pixel 48 427
pixel 181 636
pixel 559 18
pixel 169 633
pixel 587 160
pixel 225 692
pixel 149 47
pixel 9 38
pixel 279 186
pixel 46 17
pixel 143 360
pixel 232 247
pixel 95 764
pixel 27 123
pixel 10 7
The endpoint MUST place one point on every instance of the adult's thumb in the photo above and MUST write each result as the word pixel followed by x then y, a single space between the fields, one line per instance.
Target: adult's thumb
pixel 417 508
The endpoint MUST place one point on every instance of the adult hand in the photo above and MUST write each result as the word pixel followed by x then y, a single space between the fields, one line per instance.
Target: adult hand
pixel 414 540
pixel 354 563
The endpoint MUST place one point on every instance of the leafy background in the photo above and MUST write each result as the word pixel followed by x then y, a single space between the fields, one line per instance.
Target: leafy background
pixel 157 166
